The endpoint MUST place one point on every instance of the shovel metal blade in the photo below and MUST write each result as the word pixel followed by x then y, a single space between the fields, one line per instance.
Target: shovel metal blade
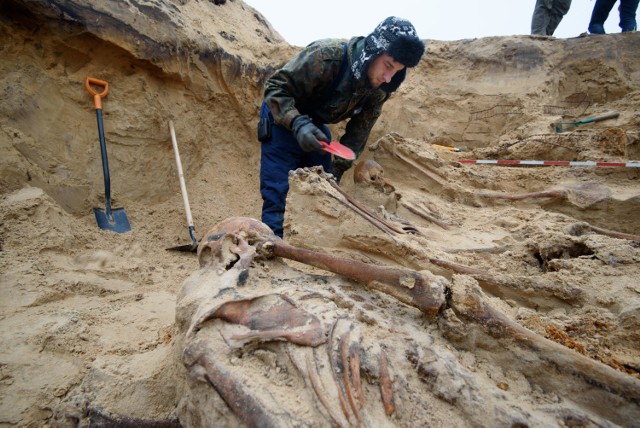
pixel 187 248
pixel 116 222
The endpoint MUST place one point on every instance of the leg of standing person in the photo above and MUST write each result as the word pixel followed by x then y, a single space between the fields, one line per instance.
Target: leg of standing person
pixel 559 10
pixel 280 154
pixel 540 19
pixel 628 15
pixel 599 15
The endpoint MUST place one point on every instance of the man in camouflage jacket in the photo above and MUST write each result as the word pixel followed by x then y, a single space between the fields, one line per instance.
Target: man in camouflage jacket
pixel 327 82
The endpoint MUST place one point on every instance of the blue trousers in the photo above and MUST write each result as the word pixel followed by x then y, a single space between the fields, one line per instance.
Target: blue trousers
pixel 601 12
pixel 279 155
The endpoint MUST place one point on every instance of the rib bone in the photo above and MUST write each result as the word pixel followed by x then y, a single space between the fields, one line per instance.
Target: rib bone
pixel 386 384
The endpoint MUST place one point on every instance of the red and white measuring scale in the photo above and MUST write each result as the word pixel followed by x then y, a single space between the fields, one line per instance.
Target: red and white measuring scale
pixel 633 164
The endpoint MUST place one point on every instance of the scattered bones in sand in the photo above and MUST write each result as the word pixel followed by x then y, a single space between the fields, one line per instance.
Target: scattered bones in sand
pixel 462 312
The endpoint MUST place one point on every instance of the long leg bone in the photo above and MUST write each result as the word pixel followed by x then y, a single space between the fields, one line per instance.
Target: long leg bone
pixel 365 212
pixel 583 195
pixel 558 193
pixel 539 286
pixel 420 290
pixel 410 287
pixel 419 212
pixel 431 173
pixel 579 228
pixel 605 388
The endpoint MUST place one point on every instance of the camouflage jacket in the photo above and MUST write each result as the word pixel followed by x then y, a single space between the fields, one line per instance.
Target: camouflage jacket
pixel 304 86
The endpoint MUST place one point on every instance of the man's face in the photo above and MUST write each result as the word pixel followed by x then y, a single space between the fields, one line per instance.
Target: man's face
pixel 382 70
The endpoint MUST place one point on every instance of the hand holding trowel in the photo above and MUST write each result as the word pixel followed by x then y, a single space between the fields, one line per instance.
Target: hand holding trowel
pixel 560 126
pixel 309 136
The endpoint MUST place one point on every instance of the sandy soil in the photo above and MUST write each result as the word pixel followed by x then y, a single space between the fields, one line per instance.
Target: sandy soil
pixel 93 324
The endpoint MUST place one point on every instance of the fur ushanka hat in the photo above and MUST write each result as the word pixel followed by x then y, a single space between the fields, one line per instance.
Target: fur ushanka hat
pixel 398 38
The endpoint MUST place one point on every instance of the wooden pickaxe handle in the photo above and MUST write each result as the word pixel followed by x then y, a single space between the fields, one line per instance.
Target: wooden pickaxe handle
pixel 611 115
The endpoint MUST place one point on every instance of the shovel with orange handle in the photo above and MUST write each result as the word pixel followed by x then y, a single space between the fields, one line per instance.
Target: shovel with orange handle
pixel 108 219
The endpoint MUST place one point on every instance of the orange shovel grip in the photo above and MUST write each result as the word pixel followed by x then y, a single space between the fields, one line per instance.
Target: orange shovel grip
pixel 97 97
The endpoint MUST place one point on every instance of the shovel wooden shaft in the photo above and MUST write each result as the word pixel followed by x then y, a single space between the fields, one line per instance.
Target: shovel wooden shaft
pixel 610 115
pixel 183 186
pixel 105 164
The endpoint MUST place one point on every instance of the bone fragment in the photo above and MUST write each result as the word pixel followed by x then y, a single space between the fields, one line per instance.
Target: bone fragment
pixel 354 365
pixel 344 355
pixel 429 172
pixel 407 226
pixel 425 215
pixel 269 317
pixel 386 385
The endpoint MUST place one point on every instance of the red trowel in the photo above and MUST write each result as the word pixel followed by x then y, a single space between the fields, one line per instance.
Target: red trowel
pixel 338 149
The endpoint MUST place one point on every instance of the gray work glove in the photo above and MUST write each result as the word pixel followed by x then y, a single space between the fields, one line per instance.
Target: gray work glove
pixel 307 133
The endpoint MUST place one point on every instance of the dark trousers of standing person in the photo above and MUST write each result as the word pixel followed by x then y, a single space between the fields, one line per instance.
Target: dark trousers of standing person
pixel 280 154
pixel 601 12
pixel 547 14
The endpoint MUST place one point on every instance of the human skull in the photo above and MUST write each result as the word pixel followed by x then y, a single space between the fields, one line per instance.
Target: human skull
pixel 371 172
